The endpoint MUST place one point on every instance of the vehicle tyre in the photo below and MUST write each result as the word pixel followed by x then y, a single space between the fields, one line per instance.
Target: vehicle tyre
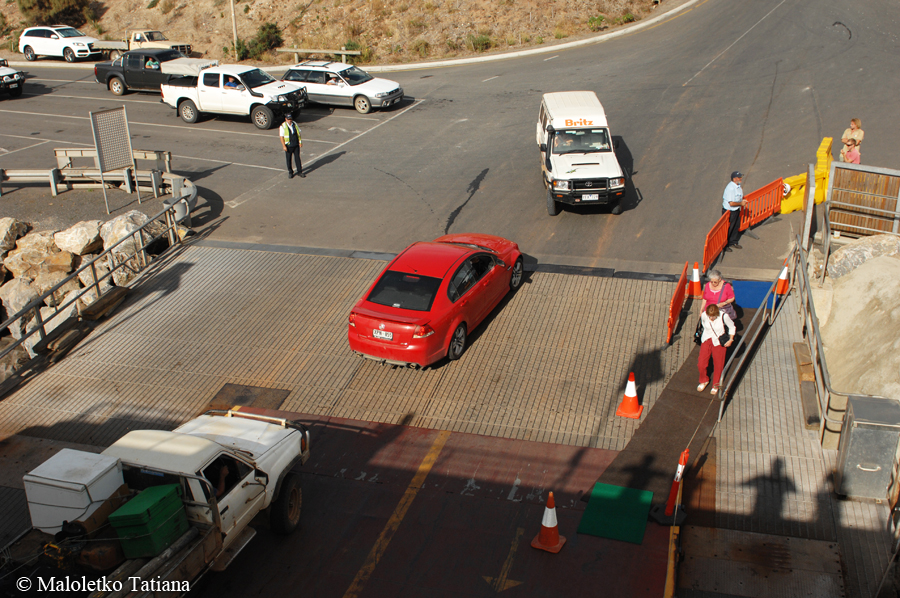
pixel 188 111
pixel 285 510
pixel 262 117
pixel 552 208
pixel 14 93
pixel 113 54
pixel 117 86
pixel 362 104
pixel 69 55
pixel 617 209
pixel 30 56
pixel 518 272
pixel 457 343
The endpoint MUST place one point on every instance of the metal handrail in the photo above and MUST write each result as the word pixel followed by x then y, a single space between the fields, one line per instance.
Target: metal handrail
pixel 140 251
pixel 751 342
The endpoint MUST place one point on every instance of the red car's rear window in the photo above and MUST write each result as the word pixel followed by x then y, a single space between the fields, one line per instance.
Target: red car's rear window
pixel 405 291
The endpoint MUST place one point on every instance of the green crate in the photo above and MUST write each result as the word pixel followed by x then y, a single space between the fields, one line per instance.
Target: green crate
pixel 150 522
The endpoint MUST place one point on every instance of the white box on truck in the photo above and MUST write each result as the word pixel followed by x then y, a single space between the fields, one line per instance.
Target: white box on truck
pixel 70 486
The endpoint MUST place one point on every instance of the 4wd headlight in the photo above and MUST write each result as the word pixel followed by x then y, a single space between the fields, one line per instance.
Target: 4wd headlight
pixel 618 182
pixel 384 94
pixel 282 98
pixel 561 185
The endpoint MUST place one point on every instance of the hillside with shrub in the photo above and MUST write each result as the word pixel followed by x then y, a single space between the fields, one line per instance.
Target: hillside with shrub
pixel 382 31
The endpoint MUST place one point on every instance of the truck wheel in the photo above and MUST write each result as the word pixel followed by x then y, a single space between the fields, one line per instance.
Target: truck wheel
pixel 30 56
pixel 617 209
pixel 188 111
pixel 362 104
pixel 552 208
pixel 69 55
pixel 14 93
pixel 262 117
pixel 113 54
pixel 116 86
pixel 285 510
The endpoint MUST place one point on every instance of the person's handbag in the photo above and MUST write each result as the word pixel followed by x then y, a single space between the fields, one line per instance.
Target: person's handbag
pixel 698 334
pixel 728 308
pixel 724 338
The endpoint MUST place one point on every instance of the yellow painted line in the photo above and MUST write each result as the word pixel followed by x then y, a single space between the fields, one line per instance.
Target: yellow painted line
pixel 381 544
pixel 498 584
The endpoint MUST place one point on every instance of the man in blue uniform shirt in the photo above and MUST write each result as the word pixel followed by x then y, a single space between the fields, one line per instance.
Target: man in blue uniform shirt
pixel 732 202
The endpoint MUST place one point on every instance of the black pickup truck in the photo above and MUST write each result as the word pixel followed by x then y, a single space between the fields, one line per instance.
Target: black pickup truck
pixel 146 69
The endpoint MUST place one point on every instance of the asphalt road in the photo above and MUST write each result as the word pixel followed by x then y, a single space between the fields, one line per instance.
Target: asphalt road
pixel 721 86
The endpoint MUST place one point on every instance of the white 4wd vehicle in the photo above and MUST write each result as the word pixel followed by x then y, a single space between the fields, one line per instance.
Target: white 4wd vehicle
pixel 234 89
pixel 11 80
pixel 56 40
pixel 578 159
pixel 342 84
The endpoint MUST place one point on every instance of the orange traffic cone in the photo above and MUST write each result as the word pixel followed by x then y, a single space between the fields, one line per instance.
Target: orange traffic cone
pixel 695 289
pixel 548 538
pixel 629 406
pixel 781 288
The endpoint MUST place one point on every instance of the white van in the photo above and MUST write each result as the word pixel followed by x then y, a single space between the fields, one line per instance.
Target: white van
pixel 578 160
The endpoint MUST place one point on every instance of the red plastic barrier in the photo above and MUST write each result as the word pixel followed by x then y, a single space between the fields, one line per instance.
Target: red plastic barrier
pixel 716 240
pixel 764 202
pixel 677 302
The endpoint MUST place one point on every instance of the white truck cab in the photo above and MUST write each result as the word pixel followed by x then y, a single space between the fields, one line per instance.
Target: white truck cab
pixel 578 160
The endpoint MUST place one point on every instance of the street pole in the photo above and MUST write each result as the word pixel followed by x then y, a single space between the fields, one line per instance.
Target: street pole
pixel 233 32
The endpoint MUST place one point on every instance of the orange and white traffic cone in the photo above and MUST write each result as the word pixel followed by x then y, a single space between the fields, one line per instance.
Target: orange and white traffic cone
pixel 629 406
pixel 695 289
pixel 781 288
pixel 548 538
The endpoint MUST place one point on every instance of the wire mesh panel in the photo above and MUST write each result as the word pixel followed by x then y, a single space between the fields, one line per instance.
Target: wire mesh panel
pixel 113 144
pixel 112 139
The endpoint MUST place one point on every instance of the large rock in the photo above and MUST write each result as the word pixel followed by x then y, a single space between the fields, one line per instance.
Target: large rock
pixel 10 230
pixel 854 254
pixel 129 271
pixel 29 263
pixel 101 267
pixel 121 227
pixel 47 280
pixel 41 241
pixel 862 335
pixel 16 294
pixel 80 239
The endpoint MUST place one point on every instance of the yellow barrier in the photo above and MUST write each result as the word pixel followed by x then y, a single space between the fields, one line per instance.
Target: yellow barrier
pixel 793 201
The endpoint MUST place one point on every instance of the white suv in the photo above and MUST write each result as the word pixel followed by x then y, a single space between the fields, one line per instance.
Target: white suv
pixel 56 40
pixel 344 85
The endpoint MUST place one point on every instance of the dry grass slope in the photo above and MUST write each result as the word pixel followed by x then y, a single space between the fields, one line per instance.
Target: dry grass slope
pixel 385 31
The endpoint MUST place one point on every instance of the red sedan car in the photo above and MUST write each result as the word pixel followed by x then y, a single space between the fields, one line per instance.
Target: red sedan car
pixel 431 296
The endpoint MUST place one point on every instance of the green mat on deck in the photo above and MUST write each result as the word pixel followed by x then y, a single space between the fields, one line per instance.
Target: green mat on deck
pixel 617 513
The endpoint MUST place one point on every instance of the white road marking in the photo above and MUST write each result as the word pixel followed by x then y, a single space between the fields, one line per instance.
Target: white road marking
pixel 270 136
pixel 734 42
pixel 227 162
pixel 7 152
pixel 56 95
pixel 53 140
pixel 551 58
pixel 491 78
pixel 91 82
pixel 253 193
pixel 342 130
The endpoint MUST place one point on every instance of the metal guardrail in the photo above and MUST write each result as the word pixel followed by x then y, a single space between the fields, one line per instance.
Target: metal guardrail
pixel 344 52
pixel 140 262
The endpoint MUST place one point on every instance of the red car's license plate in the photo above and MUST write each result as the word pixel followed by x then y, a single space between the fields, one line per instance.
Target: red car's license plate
pixel 383 335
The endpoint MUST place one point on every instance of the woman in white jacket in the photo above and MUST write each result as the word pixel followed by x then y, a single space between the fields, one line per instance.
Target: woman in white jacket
pixel 714 324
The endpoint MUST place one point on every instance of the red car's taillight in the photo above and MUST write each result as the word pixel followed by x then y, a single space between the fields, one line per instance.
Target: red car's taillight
pixel 351 319
pixel 423 331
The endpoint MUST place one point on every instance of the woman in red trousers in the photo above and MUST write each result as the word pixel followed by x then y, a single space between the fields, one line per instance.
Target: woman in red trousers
pixel 715 323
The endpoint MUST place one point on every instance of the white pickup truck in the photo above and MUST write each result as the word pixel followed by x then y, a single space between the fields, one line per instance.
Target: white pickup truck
pixel 228 466
pixel 234 89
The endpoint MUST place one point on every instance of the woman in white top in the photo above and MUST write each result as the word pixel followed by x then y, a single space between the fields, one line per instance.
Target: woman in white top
pixel 715 323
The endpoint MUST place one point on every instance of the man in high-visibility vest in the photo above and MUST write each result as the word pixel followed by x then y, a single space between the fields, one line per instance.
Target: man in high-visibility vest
pixel 289 133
